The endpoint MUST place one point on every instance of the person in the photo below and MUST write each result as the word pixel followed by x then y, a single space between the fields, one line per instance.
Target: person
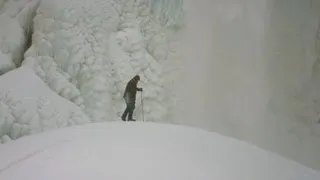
pixel 130 97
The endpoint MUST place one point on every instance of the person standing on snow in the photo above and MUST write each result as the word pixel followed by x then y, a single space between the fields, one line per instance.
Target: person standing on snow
pixel 130 97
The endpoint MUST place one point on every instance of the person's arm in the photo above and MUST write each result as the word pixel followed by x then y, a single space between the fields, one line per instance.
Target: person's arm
pixel 139 89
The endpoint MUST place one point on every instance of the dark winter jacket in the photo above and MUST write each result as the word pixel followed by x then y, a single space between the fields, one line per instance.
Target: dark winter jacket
pixel 132 89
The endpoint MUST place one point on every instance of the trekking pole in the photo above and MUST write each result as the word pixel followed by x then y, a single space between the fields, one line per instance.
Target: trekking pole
pixel 142 107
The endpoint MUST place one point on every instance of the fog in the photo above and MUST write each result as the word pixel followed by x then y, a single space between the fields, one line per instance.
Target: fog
pixel 252 73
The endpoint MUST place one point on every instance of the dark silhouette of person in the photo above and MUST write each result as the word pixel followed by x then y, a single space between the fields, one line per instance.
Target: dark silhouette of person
pixel 130 97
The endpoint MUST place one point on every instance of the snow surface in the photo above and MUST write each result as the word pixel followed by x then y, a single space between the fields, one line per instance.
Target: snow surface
pixel 28 106
pixel 141 151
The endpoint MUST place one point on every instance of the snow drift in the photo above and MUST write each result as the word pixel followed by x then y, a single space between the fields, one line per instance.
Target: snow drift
pixel 28 106
pixel 141 151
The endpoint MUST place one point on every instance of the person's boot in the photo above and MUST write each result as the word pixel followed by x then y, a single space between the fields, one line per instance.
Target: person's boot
pixel 123 117
pixel 130 117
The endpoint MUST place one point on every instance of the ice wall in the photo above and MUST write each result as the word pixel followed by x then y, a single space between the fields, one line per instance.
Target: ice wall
pixel 254 73
pixel 86 51
pixel 28 106
pixel 16 19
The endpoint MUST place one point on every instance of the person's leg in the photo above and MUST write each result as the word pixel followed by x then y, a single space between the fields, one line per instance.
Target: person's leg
pixel 131 109
pixel 125 113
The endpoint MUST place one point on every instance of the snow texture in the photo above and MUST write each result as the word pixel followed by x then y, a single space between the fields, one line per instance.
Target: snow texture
pixel 16 19
pixel 141 151
pixel 28 106
pixel 86 51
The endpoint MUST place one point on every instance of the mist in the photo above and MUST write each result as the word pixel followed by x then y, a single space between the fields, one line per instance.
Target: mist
pixel 251 73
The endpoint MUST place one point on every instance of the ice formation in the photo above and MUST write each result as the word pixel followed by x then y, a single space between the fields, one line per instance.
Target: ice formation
pixel 86 51
pixel 28 106
pixel 16 17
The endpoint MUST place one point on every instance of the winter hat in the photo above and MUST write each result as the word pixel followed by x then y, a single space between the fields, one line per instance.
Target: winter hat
pixel 137 77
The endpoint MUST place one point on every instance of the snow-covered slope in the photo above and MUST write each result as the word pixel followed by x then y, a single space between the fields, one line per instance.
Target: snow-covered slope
pixel 16 25
pixel 141 151
pixel 28 106
pixel 86 51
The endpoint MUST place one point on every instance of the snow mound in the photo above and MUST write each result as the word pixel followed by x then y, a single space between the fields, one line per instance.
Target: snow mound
pixel 28 106
pixel 141 151
pixel 86 51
